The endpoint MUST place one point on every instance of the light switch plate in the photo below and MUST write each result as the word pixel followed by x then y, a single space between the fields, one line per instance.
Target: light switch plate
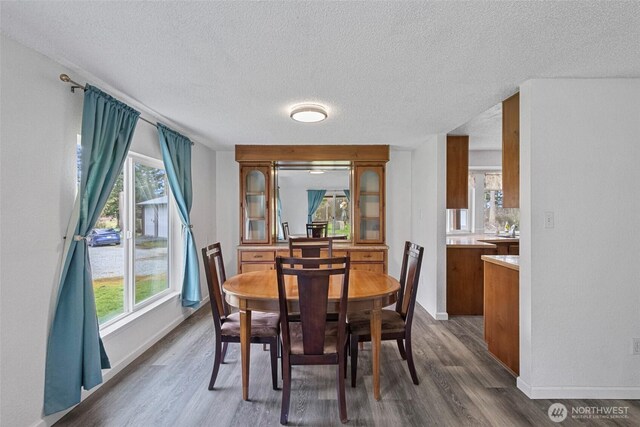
pixel 549 220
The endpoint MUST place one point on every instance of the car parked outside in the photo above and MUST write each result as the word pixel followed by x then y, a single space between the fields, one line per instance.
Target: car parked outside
pixel 103 236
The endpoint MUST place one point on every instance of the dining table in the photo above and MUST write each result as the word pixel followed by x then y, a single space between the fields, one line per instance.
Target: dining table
pixel 258 291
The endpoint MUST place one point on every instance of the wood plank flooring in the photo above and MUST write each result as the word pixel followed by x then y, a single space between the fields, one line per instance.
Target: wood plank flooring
pixel 460 385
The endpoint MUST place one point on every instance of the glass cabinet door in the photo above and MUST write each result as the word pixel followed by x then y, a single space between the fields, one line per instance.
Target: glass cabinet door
pixel 370 204
pixel 255 202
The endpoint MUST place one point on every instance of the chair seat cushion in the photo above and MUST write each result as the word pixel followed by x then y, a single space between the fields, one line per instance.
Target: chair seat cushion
pixel 262 324
pixel 330 337
pixel 360 323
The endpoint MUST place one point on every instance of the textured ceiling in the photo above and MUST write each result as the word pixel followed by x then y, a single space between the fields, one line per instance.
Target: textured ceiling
pixel 484 130
pixel 389 72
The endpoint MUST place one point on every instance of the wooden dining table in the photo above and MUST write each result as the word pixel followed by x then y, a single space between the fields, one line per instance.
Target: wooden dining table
pixel 258 291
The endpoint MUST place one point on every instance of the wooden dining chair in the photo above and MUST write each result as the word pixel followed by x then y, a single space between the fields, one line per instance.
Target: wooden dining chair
pixel 265 327
pixel 317 229
pixel 396 324
pixel 310 247
pixel 311 339
pixel 285 230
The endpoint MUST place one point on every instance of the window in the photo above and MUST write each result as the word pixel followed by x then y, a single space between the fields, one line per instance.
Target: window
pixel 335 209
pixel 485 213
pixel 129 246
pixel 461 220
pixel 497 218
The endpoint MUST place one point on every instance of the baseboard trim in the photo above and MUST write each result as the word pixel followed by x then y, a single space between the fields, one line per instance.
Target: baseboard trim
pixel 117 368
pixel 632 393
pixel 442 315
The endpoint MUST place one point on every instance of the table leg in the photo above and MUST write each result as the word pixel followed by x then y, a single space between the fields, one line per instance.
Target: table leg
pixel 245 349
pixel 376 334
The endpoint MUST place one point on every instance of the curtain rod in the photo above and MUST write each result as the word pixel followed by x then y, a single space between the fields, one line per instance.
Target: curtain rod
pixel 75 85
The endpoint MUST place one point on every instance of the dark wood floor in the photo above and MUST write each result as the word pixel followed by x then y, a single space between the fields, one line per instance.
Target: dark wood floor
pixel 460 384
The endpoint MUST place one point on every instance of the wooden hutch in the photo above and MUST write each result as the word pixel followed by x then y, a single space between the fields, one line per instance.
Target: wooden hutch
pixel 258 228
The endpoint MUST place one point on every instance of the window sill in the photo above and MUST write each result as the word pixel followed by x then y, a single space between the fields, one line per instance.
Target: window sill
pixel 126 321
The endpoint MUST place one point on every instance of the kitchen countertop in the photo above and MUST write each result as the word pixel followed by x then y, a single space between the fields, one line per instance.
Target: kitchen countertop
pixel 508 261
pixel 478 240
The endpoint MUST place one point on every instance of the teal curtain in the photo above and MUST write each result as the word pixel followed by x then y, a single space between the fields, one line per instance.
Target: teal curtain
pixel 176 154
pixel 347 194
pixel 75 354
pixel 314 198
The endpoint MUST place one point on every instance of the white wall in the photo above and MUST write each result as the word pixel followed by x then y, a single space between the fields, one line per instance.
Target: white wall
pixel 489 159
pixel 398 207
pixel 428 188
pixel 40 120
pixel 228 208
pixel 579 281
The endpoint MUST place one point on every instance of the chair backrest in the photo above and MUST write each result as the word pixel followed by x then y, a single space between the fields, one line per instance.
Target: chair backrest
pixel 285 230
pixel 317 229
pixel 313 295
pixel 409 278
pixel 214 269
pixel 310 247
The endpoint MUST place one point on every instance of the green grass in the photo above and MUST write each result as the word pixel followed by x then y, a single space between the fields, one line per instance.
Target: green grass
pixel 109 293
pixel 150 243
pixel 346 231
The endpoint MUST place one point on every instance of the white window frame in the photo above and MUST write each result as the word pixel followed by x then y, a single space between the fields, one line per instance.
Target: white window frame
pixel 128 239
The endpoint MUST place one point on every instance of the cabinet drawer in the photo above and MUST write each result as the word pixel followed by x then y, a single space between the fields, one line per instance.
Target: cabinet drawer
pixel 249 267
pixel 265 256
pixel 337 254
pixel 369 256
pixel 374 268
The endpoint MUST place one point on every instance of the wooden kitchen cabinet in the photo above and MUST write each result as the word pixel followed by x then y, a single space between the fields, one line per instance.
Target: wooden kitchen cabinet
pixel 465 280
pixel 369 221
pixel 255 221
pixel 502 311
pixel 511 152
pixel 457 171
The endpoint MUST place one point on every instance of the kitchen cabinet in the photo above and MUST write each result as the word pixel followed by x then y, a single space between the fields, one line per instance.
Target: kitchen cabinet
pixel 511 152
pixel 457 171
pixel 502 309
pixel 465 280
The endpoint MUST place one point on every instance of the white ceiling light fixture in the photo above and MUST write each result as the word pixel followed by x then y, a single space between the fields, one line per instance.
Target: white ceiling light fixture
pixel 316 171
pixel 308 113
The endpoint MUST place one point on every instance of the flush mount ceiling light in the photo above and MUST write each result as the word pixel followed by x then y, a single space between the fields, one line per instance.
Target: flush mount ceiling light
pixel 316 171
pixel 308 113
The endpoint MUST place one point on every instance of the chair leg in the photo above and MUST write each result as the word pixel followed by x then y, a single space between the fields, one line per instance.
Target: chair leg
pixel 342 401
pixel 216 363
pixel 273 347
pixel 412 368
pixel 224 351
pixel 354 359
pixel 401 350
pixel 346 354
pixel 286 392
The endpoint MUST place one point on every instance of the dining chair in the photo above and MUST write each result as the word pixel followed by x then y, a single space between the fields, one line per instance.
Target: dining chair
pixel 311 339
pixel 265 327
pixel 285 230
pixel 310 247
pixel 396 324
pixel 317 229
